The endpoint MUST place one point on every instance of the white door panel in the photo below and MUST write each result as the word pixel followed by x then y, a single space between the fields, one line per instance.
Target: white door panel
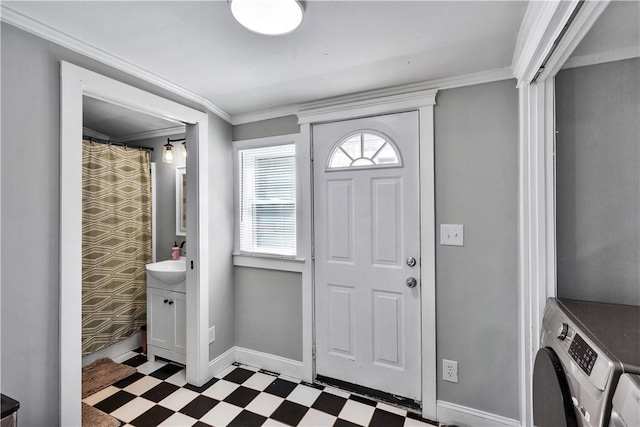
pixel 366 226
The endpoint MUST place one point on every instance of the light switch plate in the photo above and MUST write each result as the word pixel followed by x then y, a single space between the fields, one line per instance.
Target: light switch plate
pixel 452 234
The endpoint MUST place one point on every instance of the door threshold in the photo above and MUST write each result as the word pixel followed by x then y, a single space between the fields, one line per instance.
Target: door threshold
pixel 411 405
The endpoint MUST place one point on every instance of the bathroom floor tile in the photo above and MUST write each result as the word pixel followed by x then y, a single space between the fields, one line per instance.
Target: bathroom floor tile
pixel 158 395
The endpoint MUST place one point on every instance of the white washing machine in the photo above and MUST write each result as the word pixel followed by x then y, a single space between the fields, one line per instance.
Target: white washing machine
pixel 626 402
pixel 584 349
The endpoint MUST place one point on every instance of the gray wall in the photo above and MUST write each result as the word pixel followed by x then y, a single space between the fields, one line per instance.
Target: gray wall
pixel 269 311
pixel 476 134
pixel 268 302
pixel 476 159
pixel 30 170
pixel 165 194
pixel 264 128
pixel 598 176
pixel 221 289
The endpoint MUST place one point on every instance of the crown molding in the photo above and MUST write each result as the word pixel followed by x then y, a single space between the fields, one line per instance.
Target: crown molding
pixel 271 113
pixel 541 25
pixel 602 57
pixel 94 134
pixel 436 84
pixel 323 112
pixel 153 133
pixel 33 26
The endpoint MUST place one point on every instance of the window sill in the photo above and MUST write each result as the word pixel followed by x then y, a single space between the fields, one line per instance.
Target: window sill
pixel 268 262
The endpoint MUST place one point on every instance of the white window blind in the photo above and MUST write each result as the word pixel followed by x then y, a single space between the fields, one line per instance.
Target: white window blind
pixel 267 182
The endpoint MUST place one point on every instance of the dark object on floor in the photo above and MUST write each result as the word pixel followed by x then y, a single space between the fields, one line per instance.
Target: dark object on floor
pixel 101 374
pixel 9 411
pixel 92 417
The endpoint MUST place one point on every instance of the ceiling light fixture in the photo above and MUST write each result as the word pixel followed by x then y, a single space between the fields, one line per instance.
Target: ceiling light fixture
pixel 268 17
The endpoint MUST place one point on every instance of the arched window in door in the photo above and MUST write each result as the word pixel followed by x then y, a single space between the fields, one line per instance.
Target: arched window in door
pixel 364 149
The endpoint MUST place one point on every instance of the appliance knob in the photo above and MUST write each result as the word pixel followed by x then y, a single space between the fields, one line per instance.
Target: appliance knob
pixel 563 331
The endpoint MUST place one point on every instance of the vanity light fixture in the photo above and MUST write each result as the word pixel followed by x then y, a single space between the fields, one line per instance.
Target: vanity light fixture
pixel 268 17
pixel 167 153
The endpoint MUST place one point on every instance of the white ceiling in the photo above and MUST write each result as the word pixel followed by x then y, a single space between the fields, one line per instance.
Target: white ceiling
pixel 616 29
pixel 341 47
pixel 121 124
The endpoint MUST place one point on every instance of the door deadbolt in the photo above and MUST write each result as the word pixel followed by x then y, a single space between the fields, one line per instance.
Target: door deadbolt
pixel 412 282
pixel 411 261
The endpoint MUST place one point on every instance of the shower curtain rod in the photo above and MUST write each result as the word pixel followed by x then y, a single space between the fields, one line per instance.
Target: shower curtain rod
pixel 120 144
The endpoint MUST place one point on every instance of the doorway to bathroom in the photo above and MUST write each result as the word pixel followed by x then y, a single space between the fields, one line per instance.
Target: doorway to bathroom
pixel 132 216
pixel 76 83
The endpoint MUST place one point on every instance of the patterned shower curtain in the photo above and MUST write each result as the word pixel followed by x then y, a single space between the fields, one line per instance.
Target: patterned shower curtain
pixel 116 242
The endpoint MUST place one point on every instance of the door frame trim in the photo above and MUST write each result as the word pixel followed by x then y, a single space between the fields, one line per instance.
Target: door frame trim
pixel 76 82
pixel 543 24
pixel 423 102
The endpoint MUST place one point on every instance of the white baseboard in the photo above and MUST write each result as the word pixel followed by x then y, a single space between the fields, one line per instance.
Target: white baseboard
pixel 270 362
pixel 257 359
pixel 451 413
pixel 114 350
pixel 222 362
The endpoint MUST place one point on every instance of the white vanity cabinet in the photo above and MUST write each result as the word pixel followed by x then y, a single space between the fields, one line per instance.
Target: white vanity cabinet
pixel 166 321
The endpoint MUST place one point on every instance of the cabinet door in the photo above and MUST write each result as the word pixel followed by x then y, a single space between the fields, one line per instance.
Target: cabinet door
pixel 159 318
pixel 180 322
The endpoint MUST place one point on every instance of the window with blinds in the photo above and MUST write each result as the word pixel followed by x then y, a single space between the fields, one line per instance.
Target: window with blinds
pixel 267 182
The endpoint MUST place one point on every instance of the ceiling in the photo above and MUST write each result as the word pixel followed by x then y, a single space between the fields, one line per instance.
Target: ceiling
pixel 109 121
pixel 342 47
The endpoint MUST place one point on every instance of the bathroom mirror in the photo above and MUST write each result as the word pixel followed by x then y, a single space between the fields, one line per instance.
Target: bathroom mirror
pixel 181 201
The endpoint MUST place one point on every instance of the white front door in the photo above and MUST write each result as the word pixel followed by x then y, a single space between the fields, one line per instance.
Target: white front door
pixel 367 230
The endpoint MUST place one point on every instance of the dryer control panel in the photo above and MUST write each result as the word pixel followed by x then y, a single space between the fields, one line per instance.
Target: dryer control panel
pixel 583 354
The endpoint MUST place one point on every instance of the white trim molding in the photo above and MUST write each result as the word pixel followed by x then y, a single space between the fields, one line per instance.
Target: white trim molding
pixel 602 57
pixel 295 265
pixel 269 362
pixel 451 413
pixel 174 130
pixel 33 26
pixel 539 45
pixel 362 107
pixel 350 107
pixel 439 84
pixel 94 134
pixel 222 362
pixel 76 82
pixel 256 359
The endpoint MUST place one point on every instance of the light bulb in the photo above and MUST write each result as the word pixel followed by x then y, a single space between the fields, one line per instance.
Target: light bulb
pixel 167 155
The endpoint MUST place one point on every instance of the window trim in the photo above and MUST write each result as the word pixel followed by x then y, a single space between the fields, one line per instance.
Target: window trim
pixel 256 259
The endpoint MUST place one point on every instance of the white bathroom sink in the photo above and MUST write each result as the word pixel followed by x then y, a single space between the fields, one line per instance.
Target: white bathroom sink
pixel 170 272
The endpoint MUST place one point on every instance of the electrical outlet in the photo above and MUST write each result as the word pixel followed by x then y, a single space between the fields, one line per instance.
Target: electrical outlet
pixel 450 370
pixel 212 334
pixel 452 234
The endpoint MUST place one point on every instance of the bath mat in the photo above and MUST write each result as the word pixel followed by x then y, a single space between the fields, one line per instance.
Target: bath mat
pixel 101 374
pixel 92 417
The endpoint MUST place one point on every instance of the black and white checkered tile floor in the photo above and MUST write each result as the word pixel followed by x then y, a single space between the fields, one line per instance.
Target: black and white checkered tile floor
pixel 158 395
